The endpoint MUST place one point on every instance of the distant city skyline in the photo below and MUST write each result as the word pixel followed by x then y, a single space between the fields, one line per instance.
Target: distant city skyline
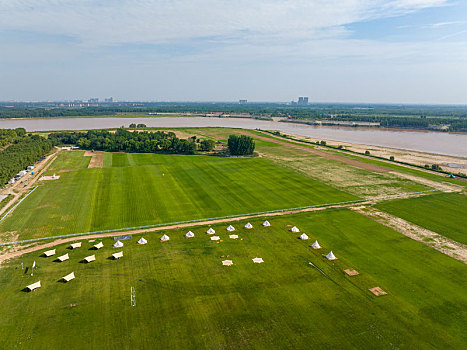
pixel 337 51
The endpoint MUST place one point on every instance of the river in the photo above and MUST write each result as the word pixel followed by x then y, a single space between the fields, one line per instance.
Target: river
pixel 423 141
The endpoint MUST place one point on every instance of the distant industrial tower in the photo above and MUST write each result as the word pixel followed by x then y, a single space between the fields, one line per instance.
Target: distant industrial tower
pixel 303 101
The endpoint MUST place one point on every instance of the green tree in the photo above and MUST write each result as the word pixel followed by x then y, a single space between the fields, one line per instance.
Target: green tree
pixel 207 145
pixel 241 145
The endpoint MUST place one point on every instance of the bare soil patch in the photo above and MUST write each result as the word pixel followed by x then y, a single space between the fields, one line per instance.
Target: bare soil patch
pixel 377 291
pixel 65 170
pixel 351 272
pixel 432 239
pixel 47 178
pixel 97 159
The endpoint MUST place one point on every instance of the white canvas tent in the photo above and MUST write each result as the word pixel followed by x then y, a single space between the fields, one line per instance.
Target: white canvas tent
pixel 227 262
pixel 90 258
pixel 215 238
pixel 210 231
pixel 98 245
pixel 189 234
pixel 331 256
pixel 117 255
pixel 303 236
pixel 316 245
pixel 266 223
pixel 118 244
pixel 249 226
pixel 49 252
pixel 34 286
pixel 295 229
pixel 142 241
pixel 69 277
pixel 63 257
pixel 165 238
pixel 233 236
pixel 230 228
pixel 75 245
pixel 258 260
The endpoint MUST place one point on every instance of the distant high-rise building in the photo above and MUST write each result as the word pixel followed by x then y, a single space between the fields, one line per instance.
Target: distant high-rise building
pixel 242 102
pixel 303 100
pixel 93 100
pixel 109 100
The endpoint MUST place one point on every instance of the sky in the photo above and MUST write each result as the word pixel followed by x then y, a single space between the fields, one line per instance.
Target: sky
pixel 375 51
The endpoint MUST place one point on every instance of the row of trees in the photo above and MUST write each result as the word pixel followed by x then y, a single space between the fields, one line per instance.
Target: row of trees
pixel 125 141
pixel 19 155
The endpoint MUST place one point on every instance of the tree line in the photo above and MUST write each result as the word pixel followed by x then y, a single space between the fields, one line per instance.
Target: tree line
pixel 123 140
pixel 19 155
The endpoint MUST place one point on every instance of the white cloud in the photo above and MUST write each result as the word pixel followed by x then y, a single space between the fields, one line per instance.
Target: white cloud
pixel 109 22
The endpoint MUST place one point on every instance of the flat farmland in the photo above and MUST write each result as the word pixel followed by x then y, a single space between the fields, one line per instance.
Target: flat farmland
pixel 185 298
pixel 445 213
pixel 144 189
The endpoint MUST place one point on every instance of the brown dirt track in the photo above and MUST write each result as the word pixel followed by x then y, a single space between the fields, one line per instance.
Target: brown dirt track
pixel 97 159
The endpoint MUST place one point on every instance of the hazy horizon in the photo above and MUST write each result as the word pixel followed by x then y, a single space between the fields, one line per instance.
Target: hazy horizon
pixel 347 51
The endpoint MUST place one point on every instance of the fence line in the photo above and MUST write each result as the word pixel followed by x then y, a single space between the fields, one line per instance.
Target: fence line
pixel 14 207
pixel 216 218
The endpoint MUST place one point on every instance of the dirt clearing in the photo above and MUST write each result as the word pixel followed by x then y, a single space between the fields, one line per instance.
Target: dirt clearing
pixel 97 159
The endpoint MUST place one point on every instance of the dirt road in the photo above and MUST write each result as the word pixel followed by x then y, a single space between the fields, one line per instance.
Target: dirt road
pixel 18 189
pixel 16 252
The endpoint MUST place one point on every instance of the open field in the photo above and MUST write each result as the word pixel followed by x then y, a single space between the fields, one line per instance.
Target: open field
pixel 445 214
pixel 142 189
pixel 185 298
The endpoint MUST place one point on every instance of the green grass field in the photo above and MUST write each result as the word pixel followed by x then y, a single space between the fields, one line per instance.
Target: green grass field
pixel 185 298
pixel 143 189
pixel 445 213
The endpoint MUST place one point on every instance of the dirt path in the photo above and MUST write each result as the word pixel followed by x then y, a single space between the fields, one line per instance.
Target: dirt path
pixel 18 250
pixel 39 170
pixel 433 184
pixel 97 159
pixel 432 239
pixel 324 154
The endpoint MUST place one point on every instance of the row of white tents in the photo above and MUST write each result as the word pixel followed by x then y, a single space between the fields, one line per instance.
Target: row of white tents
pixel 315 245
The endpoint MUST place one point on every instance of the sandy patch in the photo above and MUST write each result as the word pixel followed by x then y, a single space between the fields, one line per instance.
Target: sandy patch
pixel 65 170
pixel 48 178
pixel 432 239
pixel 97 159
pixel 351 272
pixel 377 291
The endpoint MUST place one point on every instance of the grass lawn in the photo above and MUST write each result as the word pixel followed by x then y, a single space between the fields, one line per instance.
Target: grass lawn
pixel 444 213
pixel 143 189
pixel 185 298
